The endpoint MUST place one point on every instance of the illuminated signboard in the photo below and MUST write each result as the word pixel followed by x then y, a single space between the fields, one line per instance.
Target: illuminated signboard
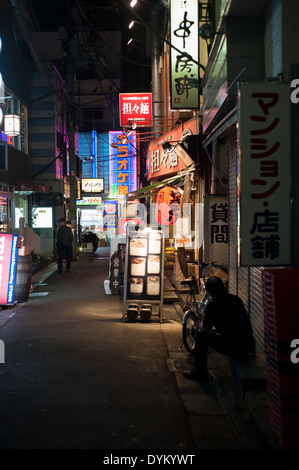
pixel 184 72
pixel 93 185
pixel 110 214
pixel 8 267
pixel 89 201
pixel 42 217
pixel 122 156
pixel 135 107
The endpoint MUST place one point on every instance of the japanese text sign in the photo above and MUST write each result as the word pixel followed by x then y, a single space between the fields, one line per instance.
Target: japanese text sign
pixel 123 171
pixel 135 107
pixel 8 267
pixel 93 185
pixel 115 273
pixel 110 214
pixel 216 229
pixel 163 162
pixel 265 174
pixel 184 72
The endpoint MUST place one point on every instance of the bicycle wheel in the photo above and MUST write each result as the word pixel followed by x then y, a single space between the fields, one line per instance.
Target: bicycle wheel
pixel 189 330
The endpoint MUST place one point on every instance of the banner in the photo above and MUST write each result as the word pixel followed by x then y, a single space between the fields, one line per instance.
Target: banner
pixel 184 72
pixel 265 174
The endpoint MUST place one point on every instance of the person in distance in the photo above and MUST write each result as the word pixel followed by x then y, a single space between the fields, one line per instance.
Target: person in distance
pixel 64 243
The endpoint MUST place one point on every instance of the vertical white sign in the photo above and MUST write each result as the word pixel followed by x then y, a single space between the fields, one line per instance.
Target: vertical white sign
pixel 184 72
pixel 264 174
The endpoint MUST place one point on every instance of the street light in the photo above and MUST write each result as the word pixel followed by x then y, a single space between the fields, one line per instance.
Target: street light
pixel 133 3
pixel 136 22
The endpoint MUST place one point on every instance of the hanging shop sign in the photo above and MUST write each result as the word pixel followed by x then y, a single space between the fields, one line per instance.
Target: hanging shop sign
pixel 135 107
pixel 110 214
pixel 8 267
pixel 215 229
pixel 184 72
pixel 265 174
pixel 93 185
pixel 122 163
pixel 161 161
pixel 168 204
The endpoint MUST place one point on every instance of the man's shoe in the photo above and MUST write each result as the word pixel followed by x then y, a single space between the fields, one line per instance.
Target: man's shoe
pixel 196 375
pixel 58 271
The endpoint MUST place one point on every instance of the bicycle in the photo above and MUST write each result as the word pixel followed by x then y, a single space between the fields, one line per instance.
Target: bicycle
pixel 193 315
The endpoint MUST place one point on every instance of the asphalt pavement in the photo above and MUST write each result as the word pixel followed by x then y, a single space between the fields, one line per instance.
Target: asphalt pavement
pixel 77 376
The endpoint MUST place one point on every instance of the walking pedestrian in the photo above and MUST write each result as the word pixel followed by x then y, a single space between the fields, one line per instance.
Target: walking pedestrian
pixel 64 245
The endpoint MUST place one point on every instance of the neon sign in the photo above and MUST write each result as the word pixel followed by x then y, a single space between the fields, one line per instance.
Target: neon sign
pixel 135 107
pixel 8 267
pixel 122 156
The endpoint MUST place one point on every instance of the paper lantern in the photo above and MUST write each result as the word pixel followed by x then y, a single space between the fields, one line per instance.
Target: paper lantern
pixel 12 124
pixel 168 204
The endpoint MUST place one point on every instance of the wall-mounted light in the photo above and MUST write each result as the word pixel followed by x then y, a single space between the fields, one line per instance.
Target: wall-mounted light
pixel 207 31
pixel 12 124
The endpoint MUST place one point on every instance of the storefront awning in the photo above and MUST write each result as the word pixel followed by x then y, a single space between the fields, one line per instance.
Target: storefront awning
pixel 153 189
pixel 24 187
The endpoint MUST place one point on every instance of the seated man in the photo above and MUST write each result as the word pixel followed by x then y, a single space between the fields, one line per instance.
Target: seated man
pixel 226 328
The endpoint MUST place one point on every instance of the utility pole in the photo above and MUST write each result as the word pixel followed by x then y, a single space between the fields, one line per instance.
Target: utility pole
pixel 72 154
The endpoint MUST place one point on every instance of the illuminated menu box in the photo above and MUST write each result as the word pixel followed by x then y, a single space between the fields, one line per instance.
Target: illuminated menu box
pixel 8 267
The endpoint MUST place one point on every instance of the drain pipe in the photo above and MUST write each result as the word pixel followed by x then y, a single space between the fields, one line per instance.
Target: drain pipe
pixel 214 177
pixel 156 17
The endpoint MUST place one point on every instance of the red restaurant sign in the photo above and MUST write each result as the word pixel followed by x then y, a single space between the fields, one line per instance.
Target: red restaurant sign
pixel 135 107
pixel 165 162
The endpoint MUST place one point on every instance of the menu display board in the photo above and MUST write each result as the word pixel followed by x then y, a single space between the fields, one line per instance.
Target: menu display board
pixel 144 266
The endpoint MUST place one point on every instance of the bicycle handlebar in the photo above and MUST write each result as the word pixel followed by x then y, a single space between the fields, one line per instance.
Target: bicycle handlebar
pixel 204 265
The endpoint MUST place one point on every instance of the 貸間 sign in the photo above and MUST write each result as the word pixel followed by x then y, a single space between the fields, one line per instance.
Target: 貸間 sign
pixel 265 174
pixel 8 267
pixel 215 228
